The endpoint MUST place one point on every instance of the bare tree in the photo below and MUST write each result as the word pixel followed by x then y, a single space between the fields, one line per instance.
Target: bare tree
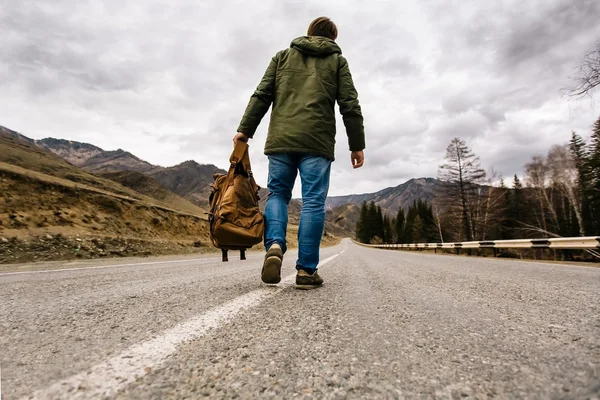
pixel 438 220
pixel 588 74
pixel 537 179
pixel 555 182
pixel 461 174
pixel 490 211
pixel 565 176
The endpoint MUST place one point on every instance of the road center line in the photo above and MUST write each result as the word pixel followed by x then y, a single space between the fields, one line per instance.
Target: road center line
pixel 106 379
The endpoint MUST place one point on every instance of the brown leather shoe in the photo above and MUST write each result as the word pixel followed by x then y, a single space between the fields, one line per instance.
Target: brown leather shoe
pixel 306 281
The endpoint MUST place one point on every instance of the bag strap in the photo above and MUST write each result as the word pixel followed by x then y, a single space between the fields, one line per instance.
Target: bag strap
pixel 246 162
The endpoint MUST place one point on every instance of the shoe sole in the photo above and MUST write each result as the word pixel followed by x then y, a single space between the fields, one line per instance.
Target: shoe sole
pixel 271 272
pixel 308 287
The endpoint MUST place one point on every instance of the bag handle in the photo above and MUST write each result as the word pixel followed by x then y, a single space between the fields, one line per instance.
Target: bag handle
pixel 241 155
pixel 238 153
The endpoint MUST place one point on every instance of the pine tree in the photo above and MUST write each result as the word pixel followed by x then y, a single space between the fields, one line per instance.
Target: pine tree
pixel 425 212
pixel 372 222
pixel 517 185
pixel 411 214
pixel 387 236
pixel 594 155
pixel 418 230
pixel 380 224
pixel 515 209
pixel 361 232
pixel 593 166
pixel 399 226
pixel 580 154
pixel 503 228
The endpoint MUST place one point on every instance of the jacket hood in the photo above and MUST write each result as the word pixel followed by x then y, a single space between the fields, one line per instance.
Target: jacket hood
pixel 316 46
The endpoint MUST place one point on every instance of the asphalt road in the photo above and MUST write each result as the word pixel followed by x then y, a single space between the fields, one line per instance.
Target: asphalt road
pixel 386 324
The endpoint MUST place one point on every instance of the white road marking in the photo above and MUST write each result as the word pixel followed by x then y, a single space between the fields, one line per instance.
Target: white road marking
pixel 106 379
pixel 345 247
pixel 107 266
pixel 325 261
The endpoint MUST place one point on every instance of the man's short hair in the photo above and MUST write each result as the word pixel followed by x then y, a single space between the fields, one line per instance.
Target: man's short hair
pixel 323 26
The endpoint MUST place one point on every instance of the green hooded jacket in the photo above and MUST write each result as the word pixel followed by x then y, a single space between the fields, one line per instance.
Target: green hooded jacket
pixel 303 82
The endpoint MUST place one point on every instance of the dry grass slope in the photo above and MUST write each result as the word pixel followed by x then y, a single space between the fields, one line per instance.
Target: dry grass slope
pixel 146 185
pixel 43 196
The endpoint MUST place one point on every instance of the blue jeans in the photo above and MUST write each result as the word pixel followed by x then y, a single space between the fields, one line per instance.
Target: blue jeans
pixel 314 175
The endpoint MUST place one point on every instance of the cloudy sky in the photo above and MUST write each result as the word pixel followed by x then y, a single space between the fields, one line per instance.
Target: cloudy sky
pixel 169 80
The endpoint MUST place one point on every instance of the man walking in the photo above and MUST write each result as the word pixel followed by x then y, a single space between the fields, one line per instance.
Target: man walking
pixel 303 83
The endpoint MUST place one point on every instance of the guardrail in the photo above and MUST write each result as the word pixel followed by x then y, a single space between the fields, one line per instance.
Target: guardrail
pixel 576 243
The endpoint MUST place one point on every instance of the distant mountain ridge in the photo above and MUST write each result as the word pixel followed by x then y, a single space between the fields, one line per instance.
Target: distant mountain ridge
pixel 189 179
pixel 391 199
pixel 76 153
pixel 94 159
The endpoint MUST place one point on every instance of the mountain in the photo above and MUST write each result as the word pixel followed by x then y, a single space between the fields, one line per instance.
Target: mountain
pixel 52 209
pixel 21 154
pixel 148 186
pixel 117 160
pixel 94 159
pixel 7 134
pixel 189 180
pixel 392 198
pixel 75 153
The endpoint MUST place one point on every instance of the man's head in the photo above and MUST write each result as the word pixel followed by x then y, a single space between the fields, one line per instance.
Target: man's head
pixel 323 26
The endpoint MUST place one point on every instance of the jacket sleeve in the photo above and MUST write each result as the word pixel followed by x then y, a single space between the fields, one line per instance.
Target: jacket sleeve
pixel 260 101
pixel 347 98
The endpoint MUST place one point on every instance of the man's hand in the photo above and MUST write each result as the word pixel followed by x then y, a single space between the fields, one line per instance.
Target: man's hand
pixel 358 159
pixel 241 137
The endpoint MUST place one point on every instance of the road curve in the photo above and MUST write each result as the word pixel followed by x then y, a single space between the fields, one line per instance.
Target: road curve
pixel 386 324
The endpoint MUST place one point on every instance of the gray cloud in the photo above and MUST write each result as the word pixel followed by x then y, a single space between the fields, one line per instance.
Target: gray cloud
pixel 169 82
pixel 554 25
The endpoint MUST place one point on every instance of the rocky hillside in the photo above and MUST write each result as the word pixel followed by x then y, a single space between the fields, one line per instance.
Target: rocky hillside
pixel 341 220
pixel 150 187
pixel 75 153
pixel 51 209
pixel 391 199
pixel 117 160
pixel 94 159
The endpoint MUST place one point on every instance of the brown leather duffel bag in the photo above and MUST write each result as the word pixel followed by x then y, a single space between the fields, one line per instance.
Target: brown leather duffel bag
pixel 236 222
